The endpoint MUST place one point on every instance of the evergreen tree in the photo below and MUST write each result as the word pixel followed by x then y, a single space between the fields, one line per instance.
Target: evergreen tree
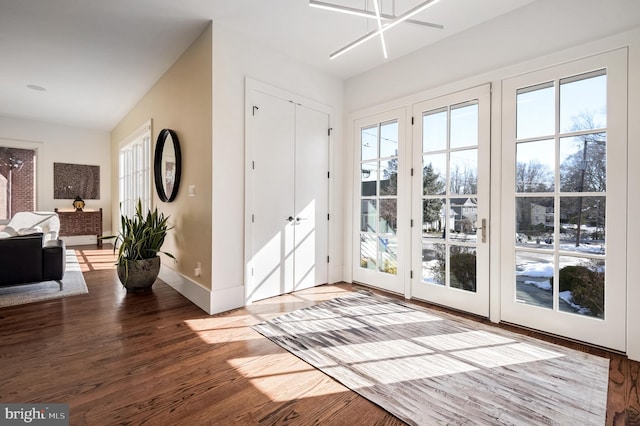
pixel 432 184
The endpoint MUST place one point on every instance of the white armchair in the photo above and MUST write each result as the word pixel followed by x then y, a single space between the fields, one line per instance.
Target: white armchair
pixel 23 223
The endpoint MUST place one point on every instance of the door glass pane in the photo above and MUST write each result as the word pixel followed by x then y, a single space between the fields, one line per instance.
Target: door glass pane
pixel 388 248
pixel 368 251
pixel 369 179
pixel 368 213
pixel 369 143
pixel 434 174
pixel 388 216
pixel 464 125
pixel 581 286
pixel 534 279
pixel 535 112
pixel 389 177
pixel 462 261
pixel 464 171
pixel 535 166
pixel 583 163
pixel 389 139
pixel 585 232
pixel 583 102
pixel 434 130
pixel 534 222
pixel 434 263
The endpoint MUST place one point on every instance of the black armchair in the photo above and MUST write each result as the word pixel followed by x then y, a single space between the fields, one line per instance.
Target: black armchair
pixel 24 259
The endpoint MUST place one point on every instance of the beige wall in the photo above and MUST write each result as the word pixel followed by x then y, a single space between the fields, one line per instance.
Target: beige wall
pixel 236 58
pixel 181 100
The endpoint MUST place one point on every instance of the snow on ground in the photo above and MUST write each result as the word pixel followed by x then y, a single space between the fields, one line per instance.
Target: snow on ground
pixel 583 248
pixel 568 297
pixel 544 285
pixel 567 246
pixel 535 269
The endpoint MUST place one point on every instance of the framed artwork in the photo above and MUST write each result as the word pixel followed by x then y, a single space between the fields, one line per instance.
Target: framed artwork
pixel 76 180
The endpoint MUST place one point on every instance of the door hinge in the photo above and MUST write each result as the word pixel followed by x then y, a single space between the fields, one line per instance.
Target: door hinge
pixel 328 175
pixel 411 274
pixel 412 121
pixel 327 259
pixel 329 131
pixel 412 223
pixel 412 171
pixel 253 218
pixel 253 166
pixel 328 216
pixel 255 108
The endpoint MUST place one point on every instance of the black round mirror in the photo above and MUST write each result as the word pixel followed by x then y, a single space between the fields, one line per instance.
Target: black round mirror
pixel 167 165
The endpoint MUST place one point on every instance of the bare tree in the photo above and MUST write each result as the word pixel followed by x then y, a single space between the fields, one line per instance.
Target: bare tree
pixel 533 176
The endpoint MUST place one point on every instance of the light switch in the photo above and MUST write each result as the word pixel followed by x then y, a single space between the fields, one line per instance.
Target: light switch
pixel 192 190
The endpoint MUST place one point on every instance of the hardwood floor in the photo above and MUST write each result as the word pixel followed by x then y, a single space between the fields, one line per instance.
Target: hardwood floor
pixel 158 359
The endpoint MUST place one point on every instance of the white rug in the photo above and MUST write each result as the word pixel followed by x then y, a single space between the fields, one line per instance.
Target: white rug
pixel 431 368
pixel 72 284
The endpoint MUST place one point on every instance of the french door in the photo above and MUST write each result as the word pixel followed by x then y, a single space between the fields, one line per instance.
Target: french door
pixel 287 196
pixel 379 238
pixel 564 200
pixel 450 199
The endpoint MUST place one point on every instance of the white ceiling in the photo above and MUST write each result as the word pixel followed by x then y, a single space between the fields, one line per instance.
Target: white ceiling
pixel 97 58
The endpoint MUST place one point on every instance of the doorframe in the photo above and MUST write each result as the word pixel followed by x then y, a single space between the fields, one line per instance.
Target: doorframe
pixel 404 186
pixel 616 303
pixel 252 86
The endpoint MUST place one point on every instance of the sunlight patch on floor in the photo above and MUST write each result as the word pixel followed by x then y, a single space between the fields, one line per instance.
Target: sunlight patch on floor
pixel 464 340
pixel 282 378
pixel 413 368
pixel 499 356
pixel 374 351
pixel 96 260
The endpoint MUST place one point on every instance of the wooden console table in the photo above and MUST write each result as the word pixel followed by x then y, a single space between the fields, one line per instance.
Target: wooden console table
pixel 86 222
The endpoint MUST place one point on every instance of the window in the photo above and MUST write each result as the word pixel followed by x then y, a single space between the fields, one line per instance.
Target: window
pixel 17 182
pixel 379 197
pixel 135 171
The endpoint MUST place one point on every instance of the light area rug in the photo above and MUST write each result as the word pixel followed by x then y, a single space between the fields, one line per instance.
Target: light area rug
pixel 72 284
pixel 431 368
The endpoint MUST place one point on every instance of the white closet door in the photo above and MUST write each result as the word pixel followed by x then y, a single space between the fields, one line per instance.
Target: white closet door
pixel 311 197
pixel 287 196
pixel 272 204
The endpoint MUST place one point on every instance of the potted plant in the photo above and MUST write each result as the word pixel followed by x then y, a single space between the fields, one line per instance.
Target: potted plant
pixel 139 242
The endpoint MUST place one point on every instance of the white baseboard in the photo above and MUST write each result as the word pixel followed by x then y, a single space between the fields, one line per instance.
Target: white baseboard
pixel 226 299
pixel 80 240
pixel 193 291
pixel 212 302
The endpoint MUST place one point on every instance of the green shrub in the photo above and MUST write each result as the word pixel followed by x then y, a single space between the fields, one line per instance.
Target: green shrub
pixel 586 286
pixel 570 276
pixel 463 269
